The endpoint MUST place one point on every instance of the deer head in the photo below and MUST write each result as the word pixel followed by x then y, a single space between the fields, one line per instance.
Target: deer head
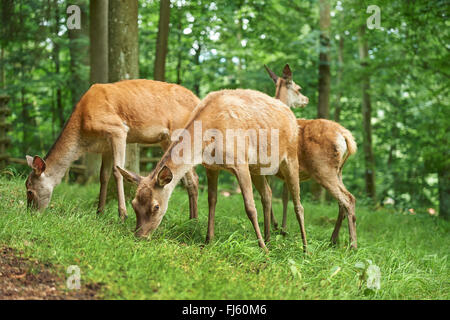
pixel 151 200
pixel 287 90
pixel 39 185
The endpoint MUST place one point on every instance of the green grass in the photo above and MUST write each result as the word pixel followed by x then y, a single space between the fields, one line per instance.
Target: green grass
pixel 410 250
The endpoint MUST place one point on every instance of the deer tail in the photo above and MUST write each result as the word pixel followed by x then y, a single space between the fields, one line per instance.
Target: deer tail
pixel 351 144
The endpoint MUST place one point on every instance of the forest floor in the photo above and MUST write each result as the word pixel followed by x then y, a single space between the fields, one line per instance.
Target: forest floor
pixel 28 279
pixel 399 256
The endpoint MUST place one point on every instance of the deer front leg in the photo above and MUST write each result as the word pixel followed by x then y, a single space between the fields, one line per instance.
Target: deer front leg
pixel 105 174
pixel 245 183
pixel 213 177
pixel 191 183
pixel 119 149
pixel 265 192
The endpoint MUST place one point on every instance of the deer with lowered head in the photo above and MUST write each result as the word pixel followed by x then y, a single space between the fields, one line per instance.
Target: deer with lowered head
pixel 323 148
pixel 106 118
pixel 292 97
pixel 254 119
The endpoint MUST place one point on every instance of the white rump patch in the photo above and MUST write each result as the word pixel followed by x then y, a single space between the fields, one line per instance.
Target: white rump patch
pixel 341 144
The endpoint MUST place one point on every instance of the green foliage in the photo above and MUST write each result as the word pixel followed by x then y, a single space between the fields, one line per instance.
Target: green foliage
pixel 224 44
pixel 409 250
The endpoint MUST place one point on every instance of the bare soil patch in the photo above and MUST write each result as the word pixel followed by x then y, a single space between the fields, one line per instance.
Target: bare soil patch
pixel 27 279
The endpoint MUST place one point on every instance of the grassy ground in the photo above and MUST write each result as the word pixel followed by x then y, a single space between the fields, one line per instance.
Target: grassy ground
pixel 411 251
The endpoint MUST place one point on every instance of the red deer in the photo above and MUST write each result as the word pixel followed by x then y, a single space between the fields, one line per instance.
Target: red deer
pixel 218 114
pixel 323 148
pixel 107 117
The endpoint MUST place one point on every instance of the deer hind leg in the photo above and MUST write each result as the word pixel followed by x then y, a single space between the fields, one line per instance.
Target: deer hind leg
pixel 119 144
pixel 346 205
pixel 289 169
pixel 273 220
pixel 105 175
pixel 213 177
pixel 242 174
pixel 337 227
pixel 265 192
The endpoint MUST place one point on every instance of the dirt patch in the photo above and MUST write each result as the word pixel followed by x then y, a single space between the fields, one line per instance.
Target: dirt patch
pixel 22 278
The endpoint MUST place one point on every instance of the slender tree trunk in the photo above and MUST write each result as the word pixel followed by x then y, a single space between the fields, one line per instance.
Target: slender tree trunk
pixel 337 110
pixel 98 34
pixel 366 113
pixel 25 122
pixel 56 59
pixel 180 45
pixel 7 14
pixel 78 50
pixel 162 40
pixel 123 60
pixel 2 68
pixel 323 106
pixel 197 78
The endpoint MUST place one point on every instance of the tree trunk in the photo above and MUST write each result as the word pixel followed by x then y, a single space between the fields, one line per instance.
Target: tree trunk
pixel 366 113
pixel 323 106
pixel 180 44
pixel 161 42
pixel 98 34
pixel 56 59
pixel 337 110
pixel 123 60
pixel 197 77
pixel 444 193
pixel 78 50
pixel 2 68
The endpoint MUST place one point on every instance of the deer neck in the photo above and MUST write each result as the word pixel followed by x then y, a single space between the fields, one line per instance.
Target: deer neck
pixel 64 151
pixel 280 92
pixel 190 147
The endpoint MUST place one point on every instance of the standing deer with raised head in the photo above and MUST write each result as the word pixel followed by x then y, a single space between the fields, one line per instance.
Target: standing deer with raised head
pixel 219 114
pixel 107 117
pixel 323 148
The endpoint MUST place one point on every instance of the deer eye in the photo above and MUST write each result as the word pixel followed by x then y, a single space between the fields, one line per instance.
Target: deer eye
pixel 156 207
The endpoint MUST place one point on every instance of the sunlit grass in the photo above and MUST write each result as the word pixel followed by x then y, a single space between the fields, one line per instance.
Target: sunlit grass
pixel 410 250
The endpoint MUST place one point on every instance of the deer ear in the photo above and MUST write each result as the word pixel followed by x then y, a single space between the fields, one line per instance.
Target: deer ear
pixel 165 176
pixel 29 161
pixel 130 176
pixel 271 74
pixel 287 73
pixel 37 164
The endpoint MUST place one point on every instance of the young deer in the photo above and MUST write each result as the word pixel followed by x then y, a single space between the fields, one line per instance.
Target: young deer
pixel 323 148
pixel 219 114
pixel 107 117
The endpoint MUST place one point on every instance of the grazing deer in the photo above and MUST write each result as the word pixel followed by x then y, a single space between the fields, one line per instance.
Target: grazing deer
pixel 323 148
pixel 290 94
pixel 107 117
pixel 219 114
